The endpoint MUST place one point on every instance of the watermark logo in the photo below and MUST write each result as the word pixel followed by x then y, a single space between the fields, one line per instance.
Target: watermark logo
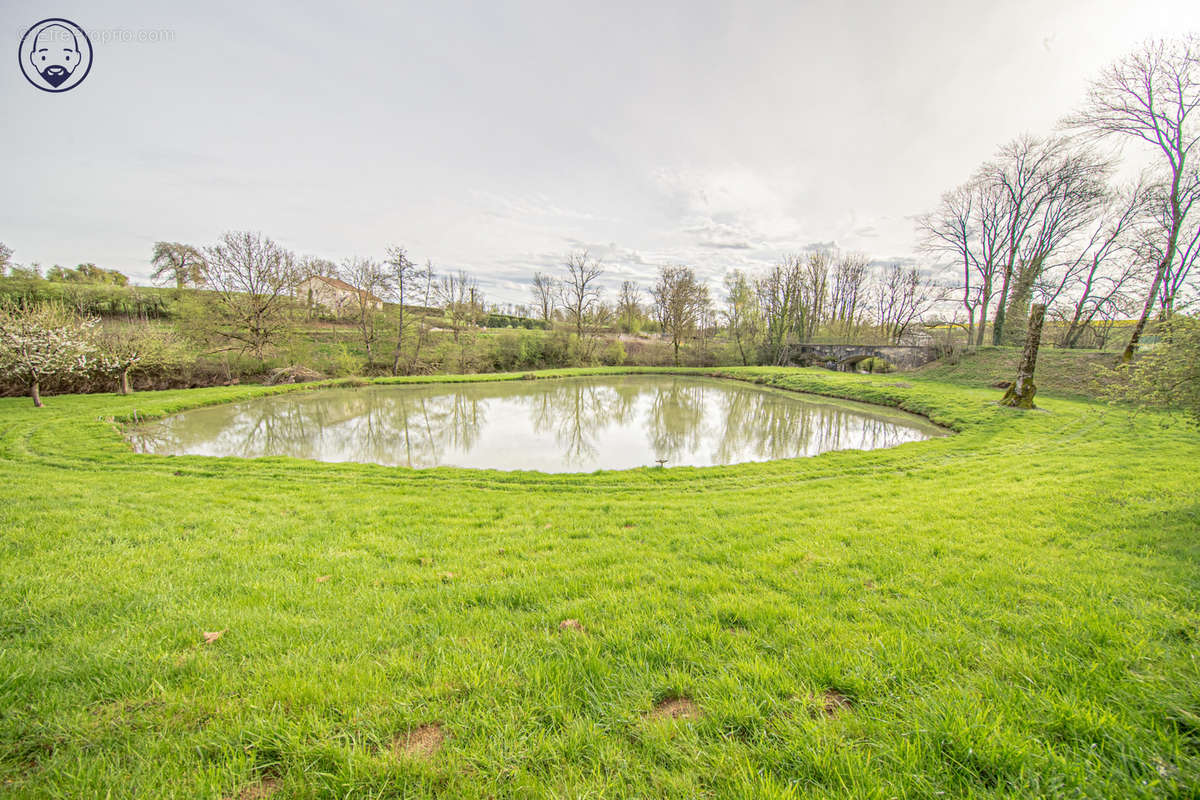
pixel 55 55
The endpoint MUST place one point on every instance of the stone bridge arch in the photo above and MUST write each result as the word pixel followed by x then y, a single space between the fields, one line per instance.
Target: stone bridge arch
pixel 844 356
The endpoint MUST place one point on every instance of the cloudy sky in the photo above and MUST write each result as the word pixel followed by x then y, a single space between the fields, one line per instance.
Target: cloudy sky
pixel 497 136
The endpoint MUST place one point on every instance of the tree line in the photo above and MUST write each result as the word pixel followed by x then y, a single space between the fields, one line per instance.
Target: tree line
pixel 1045 221
pixel 821 293
pixel 241 295
pixel 1042 222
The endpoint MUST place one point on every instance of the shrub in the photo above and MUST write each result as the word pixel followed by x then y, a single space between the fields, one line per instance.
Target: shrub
pixel 613 354
pixel 343 362
pixel 1167 376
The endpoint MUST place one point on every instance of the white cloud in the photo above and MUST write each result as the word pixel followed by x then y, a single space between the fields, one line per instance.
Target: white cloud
pixel 498 138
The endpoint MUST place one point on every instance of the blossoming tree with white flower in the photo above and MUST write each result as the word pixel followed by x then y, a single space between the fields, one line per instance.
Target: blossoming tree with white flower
pixel 137 346
pixel 42 342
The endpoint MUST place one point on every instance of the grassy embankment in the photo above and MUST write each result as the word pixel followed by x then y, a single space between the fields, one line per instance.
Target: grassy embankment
pixel 1011 611
pixel 1076 373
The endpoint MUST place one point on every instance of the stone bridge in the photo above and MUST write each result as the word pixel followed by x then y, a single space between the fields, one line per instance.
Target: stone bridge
pixel 845 356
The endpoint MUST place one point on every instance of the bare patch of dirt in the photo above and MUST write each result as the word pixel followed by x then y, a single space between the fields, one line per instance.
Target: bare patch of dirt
pixel 422 743
pixel 571 625
pixel 259 791
pixel 831 702
pixel 212 636
pixel 675 708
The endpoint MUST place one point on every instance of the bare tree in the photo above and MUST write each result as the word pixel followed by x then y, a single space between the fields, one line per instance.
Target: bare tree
pixel 370 281
pixel 177 262
pixel 969 227
pixel 581 295
pixel 1104 264
pixel 814 291
pixel 680 302
pixel 741 313
pixel 951 230
pixel 251 278
pixel 780 303
pixel 1021 175
pixel 903 298
pixel 1078 196
pixel 1187 248
pixel 1152 95
pixel 425 289
pixel 848 295
pixel 545 295
pixel 462 300
pixel 988 252
pixel 1176 277
pixel 707 327
pixel 403 273
pixel 1048 189
pixel 314 266
pixel 629 307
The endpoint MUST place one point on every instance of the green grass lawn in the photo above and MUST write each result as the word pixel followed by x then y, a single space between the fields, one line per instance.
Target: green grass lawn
pixel 1070 372
pixel 1013 611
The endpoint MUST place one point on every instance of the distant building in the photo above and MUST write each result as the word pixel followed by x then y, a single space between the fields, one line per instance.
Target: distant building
pixel 333 295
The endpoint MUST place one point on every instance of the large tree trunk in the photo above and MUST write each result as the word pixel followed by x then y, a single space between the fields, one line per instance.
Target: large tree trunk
pixel 984 300
pixel 36 393
pixel 1163 266
pixel 1001 307
pixel 1019 295
pixel 1020 394
pixel 1127 354
pixel 399 351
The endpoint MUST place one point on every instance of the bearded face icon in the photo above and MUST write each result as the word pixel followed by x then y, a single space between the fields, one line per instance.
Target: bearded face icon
pixel 55 55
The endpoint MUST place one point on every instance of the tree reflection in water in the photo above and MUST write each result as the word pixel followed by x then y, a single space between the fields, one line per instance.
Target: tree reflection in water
pixel 676 419
pixel 577 412
pixel 556 426
pixel 773 426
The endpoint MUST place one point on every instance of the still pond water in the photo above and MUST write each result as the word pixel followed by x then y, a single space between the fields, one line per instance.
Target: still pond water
pixel 564 425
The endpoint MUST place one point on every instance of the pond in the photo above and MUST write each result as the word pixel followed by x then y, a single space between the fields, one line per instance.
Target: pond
pixel 557 425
